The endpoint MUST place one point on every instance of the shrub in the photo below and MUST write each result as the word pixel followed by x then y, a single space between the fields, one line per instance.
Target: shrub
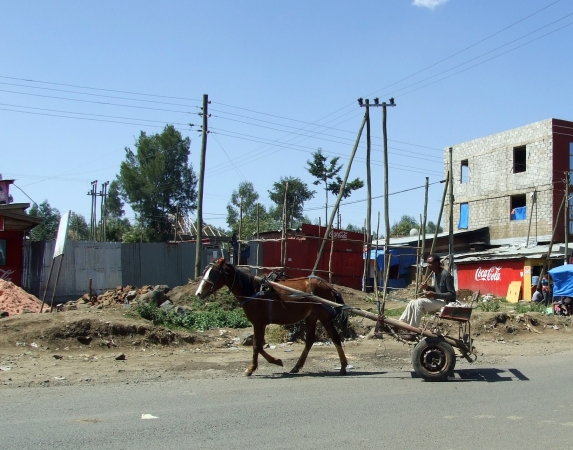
pixel 491 306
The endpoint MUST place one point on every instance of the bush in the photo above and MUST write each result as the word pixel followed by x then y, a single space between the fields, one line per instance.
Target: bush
pixel 203 320
pixel 521 308
pixel 491 306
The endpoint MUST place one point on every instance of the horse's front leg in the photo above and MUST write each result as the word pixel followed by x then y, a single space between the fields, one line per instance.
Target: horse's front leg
pixel 310 334
pixel 258 344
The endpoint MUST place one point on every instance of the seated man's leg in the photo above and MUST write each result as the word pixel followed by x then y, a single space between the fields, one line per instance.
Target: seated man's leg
pixel 412 315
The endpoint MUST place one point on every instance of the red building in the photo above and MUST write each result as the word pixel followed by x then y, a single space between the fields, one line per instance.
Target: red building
pixel 302 248
pixel 14 225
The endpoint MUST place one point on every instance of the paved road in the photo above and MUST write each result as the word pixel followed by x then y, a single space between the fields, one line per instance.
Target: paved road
pixel 524 404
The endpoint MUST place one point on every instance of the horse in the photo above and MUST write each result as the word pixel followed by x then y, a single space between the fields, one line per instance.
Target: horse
pixel 265 307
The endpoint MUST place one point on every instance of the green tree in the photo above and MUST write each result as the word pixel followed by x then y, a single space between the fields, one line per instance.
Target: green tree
pixel 48 229
pixel 78 229
pixel 403 226
pixel 431 228
pixel 326 173
pixel 157 179
pixel 296 194
pixel 113 203
pixel 244 201
pixel 115 224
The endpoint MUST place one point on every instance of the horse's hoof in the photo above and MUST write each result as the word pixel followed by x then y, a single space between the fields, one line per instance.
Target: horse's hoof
pixel 248 373
pixel 294 370
pixel 342 372
pixel 280 362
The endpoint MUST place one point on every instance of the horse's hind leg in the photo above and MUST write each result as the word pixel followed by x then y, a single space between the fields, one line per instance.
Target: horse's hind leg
pixel 310 334
pixel 258 343
pixel 331 330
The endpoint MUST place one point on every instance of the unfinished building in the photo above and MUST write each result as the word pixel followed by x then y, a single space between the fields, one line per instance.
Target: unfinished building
pixel 513 183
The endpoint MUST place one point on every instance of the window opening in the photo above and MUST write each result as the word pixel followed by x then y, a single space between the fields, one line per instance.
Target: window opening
pixel 465 176
pixel 518 207
pixel 519 159
pixel 464 216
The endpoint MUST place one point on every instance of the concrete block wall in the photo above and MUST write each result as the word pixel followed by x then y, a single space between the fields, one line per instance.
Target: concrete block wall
pixel 492 181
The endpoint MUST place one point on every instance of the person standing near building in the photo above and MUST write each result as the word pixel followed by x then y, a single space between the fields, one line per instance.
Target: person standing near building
pixel 436 296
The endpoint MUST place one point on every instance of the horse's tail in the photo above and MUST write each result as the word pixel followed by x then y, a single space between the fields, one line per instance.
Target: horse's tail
pixel 340 317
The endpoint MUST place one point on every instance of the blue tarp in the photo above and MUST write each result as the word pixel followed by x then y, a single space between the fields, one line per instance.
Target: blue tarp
pixel 519 213
pixel 562 280
pixel 464 216
pixel 402 257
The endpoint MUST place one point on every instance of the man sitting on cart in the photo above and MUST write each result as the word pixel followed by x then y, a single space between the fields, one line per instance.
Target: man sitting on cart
pixel 435 297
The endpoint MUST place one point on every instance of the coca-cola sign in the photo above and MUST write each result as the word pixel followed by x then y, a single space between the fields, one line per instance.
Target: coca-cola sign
pixel 491 274
pixel 339 234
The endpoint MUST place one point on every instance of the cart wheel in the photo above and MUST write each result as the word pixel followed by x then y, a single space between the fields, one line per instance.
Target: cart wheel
pixel 433 359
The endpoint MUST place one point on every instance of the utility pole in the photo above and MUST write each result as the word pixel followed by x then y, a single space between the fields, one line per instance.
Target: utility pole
pixel 384 106
pixel 566 218
pixel 369 198
pixel 451 225
pixel 205 130
pixel 93 194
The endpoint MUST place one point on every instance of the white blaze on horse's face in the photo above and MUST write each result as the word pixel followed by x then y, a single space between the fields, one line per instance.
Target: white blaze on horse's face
pixel 204 285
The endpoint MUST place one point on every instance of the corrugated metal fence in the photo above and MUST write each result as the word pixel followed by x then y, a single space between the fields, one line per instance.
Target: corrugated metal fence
pixel 109 264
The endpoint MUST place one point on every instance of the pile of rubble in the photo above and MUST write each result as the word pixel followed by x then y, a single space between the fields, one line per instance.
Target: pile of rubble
pixel 124 296
pixel 15 300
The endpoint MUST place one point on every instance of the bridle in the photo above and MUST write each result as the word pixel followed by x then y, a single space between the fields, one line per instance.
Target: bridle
pixel 220 272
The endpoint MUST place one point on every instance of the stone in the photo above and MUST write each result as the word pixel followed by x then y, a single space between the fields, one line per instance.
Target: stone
pixel 131 295
pixel 162 287
pixel 4 314
pixel 247 339
pixel 155 297
pixel 167 306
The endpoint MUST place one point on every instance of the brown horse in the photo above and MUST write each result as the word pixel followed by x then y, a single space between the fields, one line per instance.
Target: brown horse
pixel 264 308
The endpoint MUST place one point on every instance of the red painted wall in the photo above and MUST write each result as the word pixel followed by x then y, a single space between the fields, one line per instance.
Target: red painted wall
pixel 12 271
pixel 490 277
pixel 347 262
pixel 562 137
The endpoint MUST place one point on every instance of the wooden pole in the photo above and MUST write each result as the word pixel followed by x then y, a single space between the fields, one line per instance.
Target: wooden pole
pixel 387 258
pixel 342 186
pixel 566 219
pixel 533 201
pixel 47 283
pixel 56 283
pixel 546 262
pixel 284 244
pixel 200 184
pixel 369 197
pixel 451 236
pixel 330 258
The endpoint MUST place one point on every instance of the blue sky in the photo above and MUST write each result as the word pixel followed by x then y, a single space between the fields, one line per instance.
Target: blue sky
pixel 283 78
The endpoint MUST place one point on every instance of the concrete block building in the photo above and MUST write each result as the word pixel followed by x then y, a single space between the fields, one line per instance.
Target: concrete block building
pixel 513 182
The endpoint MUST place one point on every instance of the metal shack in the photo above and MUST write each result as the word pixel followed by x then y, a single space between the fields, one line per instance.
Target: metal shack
pixel 14 225
pixel 301 249
pixel 492 271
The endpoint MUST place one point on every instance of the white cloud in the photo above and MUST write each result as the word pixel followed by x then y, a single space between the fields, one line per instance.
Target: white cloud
pixel 429 3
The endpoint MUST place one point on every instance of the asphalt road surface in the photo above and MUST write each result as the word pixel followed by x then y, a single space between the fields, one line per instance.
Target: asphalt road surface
pixel 525 404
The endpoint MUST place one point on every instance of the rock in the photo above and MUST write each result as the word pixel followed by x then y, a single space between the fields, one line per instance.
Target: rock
pixel 121 357
pixel 167 306
pixel 162 287
pixel 131 295
pixel 85 340
pixel 182 310
pixel 4 314
pixel 156 297
pixel 247 339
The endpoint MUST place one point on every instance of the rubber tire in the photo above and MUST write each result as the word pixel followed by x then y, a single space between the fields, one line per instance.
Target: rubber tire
pixel 433 359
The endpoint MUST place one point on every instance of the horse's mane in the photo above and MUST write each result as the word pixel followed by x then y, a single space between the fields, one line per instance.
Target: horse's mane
pixel 248 283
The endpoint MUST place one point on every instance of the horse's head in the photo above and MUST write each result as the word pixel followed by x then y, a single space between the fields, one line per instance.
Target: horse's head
pixel 213 279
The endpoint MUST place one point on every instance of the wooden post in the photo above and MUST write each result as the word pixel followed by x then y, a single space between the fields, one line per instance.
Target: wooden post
pixel 387 258
pixel 369 197
pixel 451 237
pixel 284 239
pixel 342 186
pixel 566 219
pixel 330 258
pixel 56 283
pixel 46 288
pixel 533 201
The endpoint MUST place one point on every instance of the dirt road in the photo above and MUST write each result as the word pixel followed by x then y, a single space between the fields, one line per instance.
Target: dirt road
pixel 111 345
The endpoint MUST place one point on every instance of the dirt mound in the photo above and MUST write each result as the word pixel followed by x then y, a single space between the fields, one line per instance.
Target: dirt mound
pixel 15 300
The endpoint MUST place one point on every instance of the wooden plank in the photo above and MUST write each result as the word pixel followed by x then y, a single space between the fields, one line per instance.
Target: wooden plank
pixel 513 291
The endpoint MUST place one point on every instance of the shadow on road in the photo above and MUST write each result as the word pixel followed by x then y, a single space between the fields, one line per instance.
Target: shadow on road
pixel 488 375
pixel 353 373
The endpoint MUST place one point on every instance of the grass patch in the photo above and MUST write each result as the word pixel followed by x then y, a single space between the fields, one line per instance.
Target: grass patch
pixel 491 306
pixel 394 312
pixel 521 308
pixel 192 321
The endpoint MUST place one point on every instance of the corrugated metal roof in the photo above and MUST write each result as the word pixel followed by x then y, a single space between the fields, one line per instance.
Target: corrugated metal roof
pixel 512 252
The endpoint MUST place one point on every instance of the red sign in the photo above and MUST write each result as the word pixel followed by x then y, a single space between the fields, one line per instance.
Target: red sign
pixel 489 277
